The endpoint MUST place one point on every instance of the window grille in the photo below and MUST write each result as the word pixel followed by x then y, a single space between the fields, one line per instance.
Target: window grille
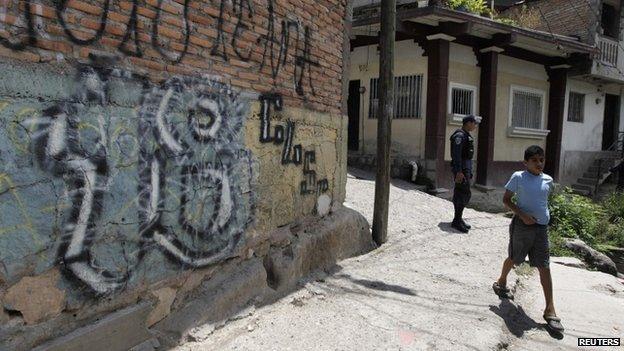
pixel 576 107
pixel 462 101
pixel 527 108
pixel 407 97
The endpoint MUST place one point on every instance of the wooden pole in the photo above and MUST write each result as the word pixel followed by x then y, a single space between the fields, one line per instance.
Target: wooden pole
pixel 384 122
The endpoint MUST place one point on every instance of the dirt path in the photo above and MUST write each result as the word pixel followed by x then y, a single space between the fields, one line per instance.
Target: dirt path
pixel 591 304
pixel 427 288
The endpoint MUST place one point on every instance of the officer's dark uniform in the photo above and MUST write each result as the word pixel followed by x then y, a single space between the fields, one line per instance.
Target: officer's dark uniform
pixel 462 151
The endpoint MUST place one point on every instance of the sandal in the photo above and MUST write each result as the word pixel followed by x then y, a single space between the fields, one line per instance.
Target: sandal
pixel 554 323
pixel 502 291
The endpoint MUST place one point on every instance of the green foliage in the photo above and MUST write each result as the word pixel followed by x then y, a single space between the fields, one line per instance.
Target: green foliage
pixel 610 231
pixel 557 247
pixel 614 206
pixel 600 225
pixel 480 7
pixel 474 6
pixel 507 21
pixel 574 216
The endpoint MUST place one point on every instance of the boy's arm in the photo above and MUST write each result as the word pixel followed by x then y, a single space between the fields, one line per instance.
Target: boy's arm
pixel 528 220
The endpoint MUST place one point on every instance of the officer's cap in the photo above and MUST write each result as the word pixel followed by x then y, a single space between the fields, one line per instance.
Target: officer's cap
pixel 471 118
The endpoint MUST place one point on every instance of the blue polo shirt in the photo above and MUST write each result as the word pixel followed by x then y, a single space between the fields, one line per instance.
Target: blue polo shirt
pixel 532 194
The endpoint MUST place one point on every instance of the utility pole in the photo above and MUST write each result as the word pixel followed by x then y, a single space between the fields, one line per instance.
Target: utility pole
pixel 384 122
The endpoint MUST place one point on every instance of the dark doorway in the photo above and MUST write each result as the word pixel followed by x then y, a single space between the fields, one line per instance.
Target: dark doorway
pixel 354 114
pixel 610 22
pixel 611 120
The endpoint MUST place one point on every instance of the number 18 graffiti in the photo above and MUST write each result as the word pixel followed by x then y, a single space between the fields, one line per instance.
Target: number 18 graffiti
pixel 191 164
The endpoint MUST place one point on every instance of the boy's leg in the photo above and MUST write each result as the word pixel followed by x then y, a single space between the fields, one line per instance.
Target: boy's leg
pixel 507 267
pixel 516 249
pixel 546 281
pixel 539 256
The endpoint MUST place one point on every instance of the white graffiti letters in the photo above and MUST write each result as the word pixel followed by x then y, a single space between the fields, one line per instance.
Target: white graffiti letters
pixel 191 166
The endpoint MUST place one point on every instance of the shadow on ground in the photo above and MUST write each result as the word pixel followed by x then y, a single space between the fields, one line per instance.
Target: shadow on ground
pixel 399 183
pixel 446 227
pixel 518 322
pixel 378 285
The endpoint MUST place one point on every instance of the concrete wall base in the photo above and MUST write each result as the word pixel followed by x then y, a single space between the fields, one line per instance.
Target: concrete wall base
pixel 270 269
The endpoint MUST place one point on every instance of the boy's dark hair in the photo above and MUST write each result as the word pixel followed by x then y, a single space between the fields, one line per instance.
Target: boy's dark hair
pixel 532 151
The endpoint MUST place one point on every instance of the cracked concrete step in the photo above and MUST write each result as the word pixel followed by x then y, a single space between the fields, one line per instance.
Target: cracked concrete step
pixel 591 174
pixel 605 162
pixel 587 181
pixel 603 168
pixel 582 189
pixel 581 192
pixel 582 186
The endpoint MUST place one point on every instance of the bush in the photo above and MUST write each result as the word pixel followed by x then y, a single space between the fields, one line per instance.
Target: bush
pixel 609 235
pixel 525 16
pixel 614 206
pixel 557 247
pixel 474 6
pixel 610 231
pixel 575 216
pixel 506 20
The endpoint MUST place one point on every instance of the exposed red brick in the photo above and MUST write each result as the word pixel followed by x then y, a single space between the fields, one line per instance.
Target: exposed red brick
pixel 85 7
pixel 324 18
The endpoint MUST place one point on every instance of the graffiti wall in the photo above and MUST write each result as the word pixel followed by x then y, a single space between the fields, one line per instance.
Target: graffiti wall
pixel 293 48
pixel 144 141
pixel 108 185
pixel 122 174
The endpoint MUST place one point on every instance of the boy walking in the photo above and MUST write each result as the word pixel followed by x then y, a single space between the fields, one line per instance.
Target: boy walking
pixel 528 231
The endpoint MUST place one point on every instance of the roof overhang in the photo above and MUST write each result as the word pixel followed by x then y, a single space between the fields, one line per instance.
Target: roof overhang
pixel 476 31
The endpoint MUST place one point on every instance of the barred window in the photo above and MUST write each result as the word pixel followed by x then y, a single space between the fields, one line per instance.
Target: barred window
pixel 407 97
pixel 527 108
pixel 462 99
pixel 576 107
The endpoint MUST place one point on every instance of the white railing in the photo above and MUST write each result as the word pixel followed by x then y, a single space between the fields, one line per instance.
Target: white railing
pixel 608 51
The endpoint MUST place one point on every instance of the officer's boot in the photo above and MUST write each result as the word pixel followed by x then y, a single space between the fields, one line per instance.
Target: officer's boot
pixel 457 221
pixel 468 226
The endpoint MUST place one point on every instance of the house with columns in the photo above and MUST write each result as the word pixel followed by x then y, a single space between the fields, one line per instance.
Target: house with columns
pixel 449 64
pixel 593 127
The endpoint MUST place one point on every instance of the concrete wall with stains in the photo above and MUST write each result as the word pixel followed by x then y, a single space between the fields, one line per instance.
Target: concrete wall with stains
pixel 123 170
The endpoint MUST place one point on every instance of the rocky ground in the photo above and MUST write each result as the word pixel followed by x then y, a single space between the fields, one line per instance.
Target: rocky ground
pixel 427 288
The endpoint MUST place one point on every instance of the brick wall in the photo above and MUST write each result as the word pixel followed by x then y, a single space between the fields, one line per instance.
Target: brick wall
pixel 242 41
pixel 147 147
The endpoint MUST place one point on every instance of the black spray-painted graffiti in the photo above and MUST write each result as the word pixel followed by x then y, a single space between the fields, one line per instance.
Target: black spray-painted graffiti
pixel 61 6
pixel 187 35
pixel 276 48
pixel 303 61
pixel 290 154
pixel 192 171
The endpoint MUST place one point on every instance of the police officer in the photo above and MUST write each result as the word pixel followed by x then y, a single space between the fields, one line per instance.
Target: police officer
pixel 462 151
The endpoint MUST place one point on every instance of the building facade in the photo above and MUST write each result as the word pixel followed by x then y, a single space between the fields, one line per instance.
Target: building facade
pixel 594 118
pixel 518 79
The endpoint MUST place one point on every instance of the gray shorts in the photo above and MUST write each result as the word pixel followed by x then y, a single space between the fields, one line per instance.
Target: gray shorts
pixel 529 240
